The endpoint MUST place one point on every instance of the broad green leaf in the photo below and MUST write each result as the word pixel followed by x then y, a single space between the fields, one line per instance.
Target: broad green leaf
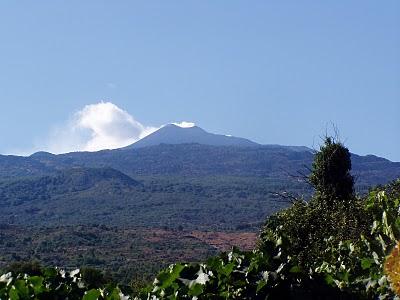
pixel 167 277
pixel 37 283
pixel 227 269
pixel 93 294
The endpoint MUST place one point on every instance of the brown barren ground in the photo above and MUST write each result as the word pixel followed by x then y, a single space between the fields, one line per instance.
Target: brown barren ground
pixel 224 241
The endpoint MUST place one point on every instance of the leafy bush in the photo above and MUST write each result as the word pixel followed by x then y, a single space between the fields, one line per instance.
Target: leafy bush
pixel 233 275
pixel 54 284
pixel 333 212
pixel 360 264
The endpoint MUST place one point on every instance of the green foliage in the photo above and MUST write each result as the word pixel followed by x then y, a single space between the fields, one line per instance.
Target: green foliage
pixel 306 226
pixel 358 265
pixel 54 284
pixel 232 275
pixel 333 211
pixel 336 235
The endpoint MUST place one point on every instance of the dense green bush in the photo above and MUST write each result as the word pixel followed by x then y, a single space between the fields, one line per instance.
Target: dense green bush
pixel 306 226
pixel 232 275
pixel 332 212
pixel 330 173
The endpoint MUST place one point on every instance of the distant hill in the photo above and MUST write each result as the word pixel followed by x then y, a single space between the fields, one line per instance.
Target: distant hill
pixel 173 134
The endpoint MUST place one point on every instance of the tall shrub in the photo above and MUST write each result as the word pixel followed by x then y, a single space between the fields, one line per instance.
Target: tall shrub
pixel 330 174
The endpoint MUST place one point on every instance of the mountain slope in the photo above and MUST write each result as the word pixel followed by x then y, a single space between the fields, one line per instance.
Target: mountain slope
pixel 172 134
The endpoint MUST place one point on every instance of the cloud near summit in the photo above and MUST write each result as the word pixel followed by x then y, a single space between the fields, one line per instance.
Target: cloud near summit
pixel 95 127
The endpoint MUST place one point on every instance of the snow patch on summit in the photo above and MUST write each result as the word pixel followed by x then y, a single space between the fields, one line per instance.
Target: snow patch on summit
pixel 184 124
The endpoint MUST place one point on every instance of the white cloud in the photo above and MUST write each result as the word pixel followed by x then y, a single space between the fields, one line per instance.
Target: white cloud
pixel 97 126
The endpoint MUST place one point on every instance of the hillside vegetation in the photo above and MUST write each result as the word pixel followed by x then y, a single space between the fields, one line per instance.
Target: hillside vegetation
pixel 336 245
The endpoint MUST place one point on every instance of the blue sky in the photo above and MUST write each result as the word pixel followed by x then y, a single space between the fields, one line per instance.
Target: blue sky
pixel 276 72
